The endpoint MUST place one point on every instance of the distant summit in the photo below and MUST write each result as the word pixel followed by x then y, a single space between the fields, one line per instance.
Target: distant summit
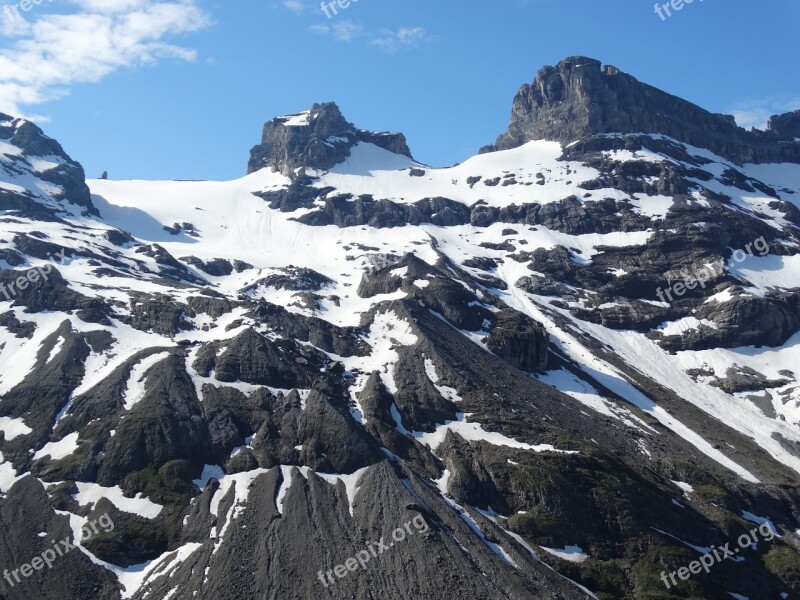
pixel 579 98
pixel 319 138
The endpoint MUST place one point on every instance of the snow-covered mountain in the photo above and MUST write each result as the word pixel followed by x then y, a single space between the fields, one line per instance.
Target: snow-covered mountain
pixel 571 361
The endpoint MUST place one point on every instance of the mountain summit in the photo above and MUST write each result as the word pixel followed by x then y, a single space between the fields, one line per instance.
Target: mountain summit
pixel 579 98
pixel 319 138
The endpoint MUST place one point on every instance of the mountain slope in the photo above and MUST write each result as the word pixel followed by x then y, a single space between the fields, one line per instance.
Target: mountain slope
pixel 258 380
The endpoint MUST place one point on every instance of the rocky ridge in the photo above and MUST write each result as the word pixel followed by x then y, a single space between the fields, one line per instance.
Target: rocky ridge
pixel 579 98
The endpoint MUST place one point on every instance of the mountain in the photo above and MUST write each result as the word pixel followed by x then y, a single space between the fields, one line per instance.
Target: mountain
pixel 564 368
pixel 320 138
pixel 579 98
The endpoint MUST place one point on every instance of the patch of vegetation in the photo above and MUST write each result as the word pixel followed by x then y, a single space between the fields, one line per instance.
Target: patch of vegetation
pixel 648 584
pixel 784 562
pixel 605 578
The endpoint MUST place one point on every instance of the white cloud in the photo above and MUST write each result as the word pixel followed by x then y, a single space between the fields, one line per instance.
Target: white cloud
pixel 346 31
pixel 53 52
pixel 342 31
pixel 12 24
pixel 756 113
pixel 110 6
pixel 294 5
pixel 390 40
pixel 319 29
pixel 393 40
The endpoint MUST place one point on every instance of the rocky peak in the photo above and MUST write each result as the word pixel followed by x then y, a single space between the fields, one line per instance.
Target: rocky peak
pixel 579 98
pixel 56 167
pixel 318 138
pixel 29 138
pixel 786 125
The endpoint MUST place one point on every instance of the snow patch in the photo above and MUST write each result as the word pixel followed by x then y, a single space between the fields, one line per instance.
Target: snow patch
pixel 90 493
pixel 60 449
pixel 135 390
pixel 12 428
pixel 569 553
pixel 474 432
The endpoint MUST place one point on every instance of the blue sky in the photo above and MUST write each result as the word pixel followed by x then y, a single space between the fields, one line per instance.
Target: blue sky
pixel 179 89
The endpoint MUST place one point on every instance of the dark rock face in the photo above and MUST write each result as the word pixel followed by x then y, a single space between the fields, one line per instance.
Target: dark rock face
pixel 169 266
pixel 217 267
pixel 318 139
pixel 49 291
pixel 376 401
pixel 570 215
pixel 158 313
pixel 786 125
pixel 751 321
pixel 119 238
pixel 253 358
pixel 443 295
pixel 343 211
pixel 579 98
pixel 331 441
pixel 293 279
pixel 343 341
pixel 519 340
pixel 167 424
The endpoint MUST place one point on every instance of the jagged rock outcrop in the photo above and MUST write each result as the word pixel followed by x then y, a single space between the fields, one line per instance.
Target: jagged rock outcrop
pixel 316 139
pixel 255 359
pixel 786 125
pixel 579 98
pixel 519 340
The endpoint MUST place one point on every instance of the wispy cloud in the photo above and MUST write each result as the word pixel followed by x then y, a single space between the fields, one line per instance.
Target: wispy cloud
pixel 394 40
pixel 341 31
pixel 294 5
pixel 756 113
pixel 319 29
pixel 390 40
pixel 52 52
pixel 346 31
